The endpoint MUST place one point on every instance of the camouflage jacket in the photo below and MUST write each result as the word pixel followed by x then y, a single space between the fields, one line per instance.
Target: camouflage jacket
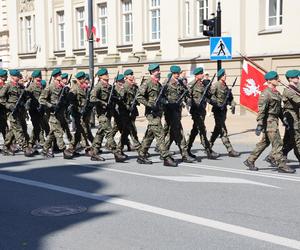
pixel 9 95
pixel 130 92
pixel 77 97
pixel 99 97
pixel 269 109
pixel 34 91
pixel 219 91
pixel 291 105
pixel 197 89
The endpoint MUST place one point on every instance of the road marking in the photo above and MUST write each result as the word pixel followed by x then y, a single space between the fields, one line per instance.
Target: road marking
pixel 187 179
pixel 238 230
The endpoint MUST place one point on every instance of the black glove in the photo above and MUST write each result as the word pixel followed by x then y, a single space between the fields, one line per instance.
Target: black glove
pixel 52 108
pixel 154 108
pixel 40 108
pixel 56 108
pixel 286 123
pixel 258 130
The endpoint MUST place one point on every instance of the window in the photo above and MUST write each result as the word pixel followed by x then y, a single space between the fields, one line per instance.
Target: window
pixel 103 23
pixel 202 13
pixel 127 21
pixel 187 19
pixel 28 34
pixel 80 26
pixel 274 16
pixel 155 19
pixel 61 30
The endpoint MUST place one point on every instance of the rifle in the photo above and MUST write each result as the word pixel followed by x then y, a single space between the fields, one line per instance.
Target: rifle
pixel 134 102
pixel 206 89
pixel 111 94
pixel 228 95
pixel 50 80
pixel 161 93
pixel 88 107
pixel 61 96
pixel 20 99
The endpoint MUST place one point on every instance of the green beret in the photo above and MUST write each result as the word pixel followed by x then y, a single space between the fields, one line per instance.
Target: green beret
pixel 120 77
pixel 271 75
pixel 153 66
pixel 198 71
pixel 56 72
pixel 43 83
pixel 15 72
pixel 64 75
pixel 102 71
pixel 3 72
pixel 87 76
pixel 175 69
pixel 36 73
pixel 220 73
pixel 128 72
pixel 292 73
pixel 80 75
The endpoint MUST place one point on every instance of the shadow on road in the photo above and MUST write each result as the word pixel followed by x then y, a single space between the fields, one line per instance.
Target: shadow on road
pixel 20 229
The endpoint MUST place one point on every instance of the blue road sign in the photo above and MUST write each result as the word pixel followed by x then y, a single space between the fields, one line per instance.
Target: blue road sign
pixel 220 48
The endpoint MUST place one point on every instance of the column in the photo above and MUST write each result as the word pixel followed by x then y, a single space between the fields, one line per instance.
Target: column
pixel 113 31
pixel 138 30
pixel 69 45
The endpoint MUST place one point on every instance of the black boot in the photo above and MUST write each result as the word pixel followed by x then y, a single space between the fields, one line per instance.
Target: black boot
pixel 250 165
pixel 143 160
pixel 169 162
pixel 68 154
pixel 211 154
pixel 191 154
pixel 188 159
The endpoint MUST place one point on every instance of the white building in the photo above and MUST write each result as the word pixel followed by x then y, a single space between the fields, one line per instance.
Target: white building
pixel 47 33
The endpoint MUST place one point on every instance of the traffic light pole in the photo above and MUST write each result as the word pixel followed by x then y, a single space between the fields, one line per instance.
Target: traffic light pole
pixel 219 31
pixel 91 40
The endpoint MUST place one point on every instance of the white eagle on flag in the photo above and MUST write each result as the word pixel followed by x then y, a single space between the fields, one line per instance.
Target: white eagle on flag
pixel 251 88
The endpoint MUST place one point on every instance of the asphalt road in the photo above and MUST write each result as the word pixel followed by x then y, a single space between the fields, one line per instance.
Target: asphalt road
pixel 213 204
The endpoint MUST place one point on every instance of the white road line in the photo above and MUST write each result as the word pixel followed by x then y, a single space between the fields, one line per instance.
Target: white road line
pixel 238 230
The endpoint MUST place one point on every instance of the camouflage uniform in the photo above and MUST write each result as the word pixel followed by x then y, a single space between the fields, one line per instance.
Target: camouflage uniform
pixel 268 117
pixel 198 112
pixel 49 98
pixel 35 90
pixel 147 96
pixel 219 91
pixel 99 97
pixel 9 96
pixel 3 115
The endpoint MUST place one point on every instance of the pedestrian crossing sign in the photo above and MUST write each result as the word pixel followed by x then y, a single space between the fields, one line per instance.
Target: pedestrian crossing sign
pixel 220 48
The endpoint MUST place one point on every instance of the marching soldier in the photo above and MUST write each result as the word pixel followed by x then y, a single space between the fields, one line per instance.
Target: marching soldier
pixel 269 113
pixel 174 91
pixel 149 95
pixel 32 105
pixel 3 115
pixel 53 98
pixel 104 106
pixel 13 95
pixel 131 91
pixel 198 112
pixel 45 128
pixel 221 96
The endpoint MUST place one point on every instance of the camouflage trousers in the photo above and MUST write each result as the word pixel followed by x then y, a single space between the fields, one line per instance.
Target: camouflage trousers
pixel 56 133
pixel 16 132
pixel 221 130
pixel 174 131
pixel 3 123
pixel 87 131
pixel 36 121
pixel 198 128
pixel 273 138
pixel 104 130
pixel 154 131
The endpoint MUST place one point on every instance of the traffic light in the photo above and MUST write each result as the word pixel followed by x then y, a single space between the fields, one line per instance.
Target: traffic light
pixel 211 24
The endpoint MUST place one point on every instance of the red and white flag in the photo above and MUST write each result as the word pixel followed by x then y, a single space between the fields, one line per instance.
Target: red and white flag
pixel 252 84
pixel 92 31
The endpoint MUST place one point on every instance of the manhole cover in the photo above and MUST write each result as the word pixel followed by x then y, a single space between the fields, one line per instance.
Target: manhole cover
pixel 61 210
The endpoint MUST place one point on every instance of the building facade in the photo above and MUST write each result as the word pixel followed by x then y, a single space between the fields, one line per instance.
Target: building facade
pixel 132 33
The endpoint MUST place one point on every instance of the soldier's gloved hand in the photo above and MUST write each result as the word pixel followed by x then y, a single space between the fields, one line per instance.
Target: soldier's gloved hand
pixel 52 108
pixel 154 108
pixel 258 130
pixel 286 123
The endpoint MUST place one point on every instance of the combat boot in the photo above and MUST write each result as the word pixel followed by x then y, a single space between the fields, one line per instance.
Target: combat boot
pixel 286 169
pixel 188 159
pixel 250 165
pixel 7 151
pixel 191 154
pixel 143 160
pixel 48 153
pixel 271 160
pixel 68 154
pixel 129 146
pixel 125 155
pixel 211 154
pixel 28 152
pixel 119 157
pixel 169 162
pixel 233 153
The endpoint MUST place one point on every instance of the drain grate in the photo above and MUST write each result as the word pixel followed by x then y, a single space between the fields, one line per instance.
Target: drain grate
pixel 60 210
